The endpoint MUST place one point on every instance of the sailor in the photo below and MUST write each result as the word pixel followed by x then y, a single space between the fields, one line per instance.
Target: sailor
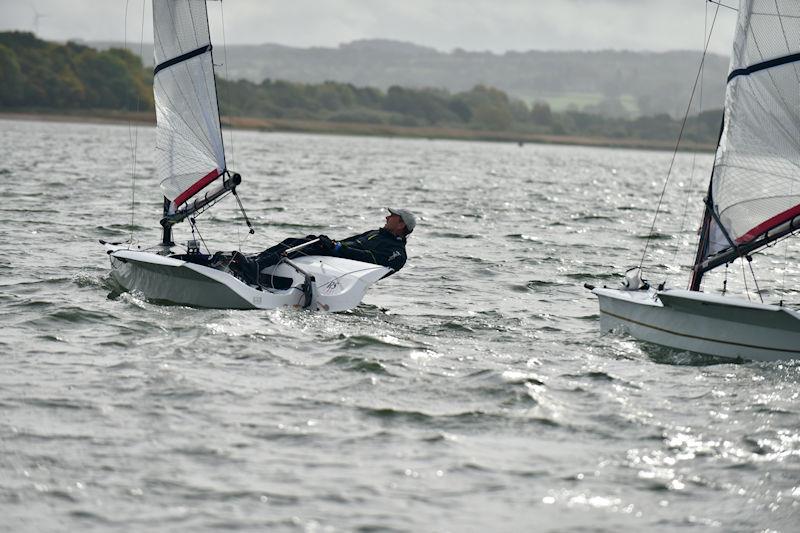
pixel 385 246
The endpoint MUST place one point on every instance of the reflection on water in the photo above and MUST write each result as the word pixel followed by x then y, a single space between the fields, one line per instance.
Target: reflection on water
pixel 471 391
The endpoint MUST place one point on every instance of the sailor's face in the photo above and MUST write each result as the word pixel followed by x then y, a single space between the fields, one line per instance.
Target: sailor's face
pixel 395 224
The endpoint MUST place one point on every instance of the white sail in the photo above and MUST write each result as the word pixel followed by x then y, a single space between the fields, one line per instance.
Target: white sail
pixel 756 180
pixel 190 152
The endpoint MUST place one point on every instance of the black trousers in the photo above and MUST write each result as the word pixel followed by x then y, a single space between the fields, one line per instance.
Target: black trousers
pixel 273 255
pixel 250 267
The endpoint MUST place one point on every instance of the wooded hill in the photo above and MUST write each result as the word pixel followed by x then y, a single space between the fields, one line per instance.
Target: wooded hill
pixel 615 83
pixel 44 76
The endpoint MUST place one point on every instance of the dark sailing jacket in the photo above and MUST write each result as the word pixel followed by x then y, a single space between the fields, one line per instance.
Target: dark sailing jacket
pixel 377 246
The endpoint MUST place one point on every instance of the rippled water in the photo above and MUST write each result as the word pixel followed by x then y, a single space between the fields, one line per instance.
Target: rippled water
pixel 469 392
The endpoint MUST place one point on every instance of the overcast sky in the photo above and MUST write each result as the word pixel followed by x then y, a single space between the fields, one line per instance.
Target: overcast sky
pixel 475 25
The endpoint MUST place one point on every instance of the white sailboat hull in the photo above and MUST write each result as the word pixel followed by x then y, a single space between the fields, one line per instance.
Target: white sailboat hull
pixel 190 158
pixel 702 323
pixel 339 284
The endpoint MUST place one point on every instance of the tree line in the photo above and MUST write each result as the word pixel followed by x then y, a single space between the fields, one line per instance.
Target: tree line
pixel 41 75
pixel 481 108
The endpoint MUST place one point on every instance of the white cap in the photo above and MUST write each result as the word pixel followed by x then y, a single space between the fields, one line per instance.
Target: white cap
pixel 408 217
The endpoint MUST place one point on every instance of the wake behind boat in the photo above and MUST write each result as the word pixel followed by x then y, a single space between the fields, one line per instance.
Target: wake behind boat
pixel 191 162
pixel 753 201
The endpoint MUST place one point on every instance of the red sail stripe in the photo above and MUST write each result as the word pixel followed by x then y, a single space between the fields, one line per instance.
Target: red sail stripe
pixel 769 224
pixel 197 187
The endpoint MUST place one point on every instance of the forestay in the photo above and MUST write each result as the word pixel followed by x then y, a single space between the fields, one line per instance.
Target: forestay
pixel 755 184
pixel 190 152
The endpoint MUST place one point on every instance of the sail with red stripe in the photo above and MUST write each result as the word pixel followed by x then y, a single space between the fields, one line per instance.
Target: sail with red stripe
pixel 755 185
pixel 190 154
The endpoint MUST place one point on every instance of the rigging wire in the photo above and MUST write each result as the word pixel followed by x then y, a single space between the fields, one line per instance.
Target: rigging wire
pixel 230 125
pixel 680 137
pixel 755 280
pixel 133 131
pixel 785 267
pixel 744 278
pixel 227 75
pixel 694 153
pixel 193 224
pixel 723 5
pixel 125 47
pixel 131 143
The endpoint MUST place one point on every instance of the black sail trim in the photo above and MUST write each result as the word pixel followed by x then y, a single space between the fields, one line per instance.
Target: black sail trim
pixel 763 65
pixel 181 58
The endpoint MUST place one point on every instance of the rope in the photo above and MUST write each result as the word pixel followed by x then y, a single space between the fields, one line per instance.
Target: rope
pixel 680 137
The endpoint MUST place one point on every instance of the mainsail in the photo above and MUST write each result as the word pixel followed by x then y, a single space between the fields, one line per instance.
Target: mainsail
pixel 189 148
pixel 754 194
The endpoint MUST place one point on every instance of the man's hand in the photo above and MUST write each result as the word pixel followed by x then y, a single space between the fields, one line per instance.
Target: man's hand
pixel 326 243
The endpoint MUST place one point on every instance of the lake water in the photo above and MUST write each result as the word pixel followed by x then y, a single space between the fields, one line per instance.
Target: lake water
pixel 471 391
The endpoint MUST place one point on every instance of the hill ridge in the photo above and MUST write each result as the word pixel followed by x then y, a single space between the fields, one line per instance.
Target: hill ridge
pixel 617 83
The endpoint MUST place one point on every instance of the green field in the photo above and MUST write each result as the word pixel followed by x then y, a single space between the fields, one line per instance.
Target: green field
pixel 573 101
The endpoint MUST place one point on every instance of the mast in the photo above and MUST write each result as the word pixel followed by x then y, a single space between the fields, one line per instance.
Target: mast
pixel 166 235
pixel 705 228
pixel 702 246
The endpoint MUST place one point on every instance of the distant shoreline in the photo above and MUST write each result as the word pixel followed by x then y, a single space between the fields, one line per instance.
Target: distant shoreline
pixel 358 129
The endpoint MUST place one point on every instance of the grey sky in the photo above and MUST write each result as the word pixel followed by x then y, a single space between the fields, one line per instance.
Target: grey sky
pixel 494 25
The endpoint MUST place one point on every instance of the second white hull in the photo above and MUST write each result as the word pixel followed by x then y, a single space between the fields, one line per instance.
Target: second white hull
pixel 339 284
pixel 702 323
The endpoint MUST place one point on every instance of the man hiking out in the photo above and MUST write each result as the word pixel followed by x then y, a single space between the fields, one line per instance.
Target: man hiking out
pixel 385 246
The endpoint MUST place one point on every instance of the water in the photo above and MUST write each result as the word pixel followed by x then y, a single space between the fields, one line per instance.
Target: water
pixel 469 392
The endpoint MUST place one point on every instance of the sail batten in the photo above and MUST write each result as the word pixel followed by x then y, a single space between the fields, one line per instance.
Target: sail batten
pixel 181 58
pixel 189 146
pixel 776 62
pixel 755 184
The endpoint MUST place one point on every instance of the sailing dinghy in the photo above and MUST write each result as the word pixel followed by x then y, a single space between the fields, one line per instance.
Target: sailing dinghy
pixel 753 200
pixel 194 176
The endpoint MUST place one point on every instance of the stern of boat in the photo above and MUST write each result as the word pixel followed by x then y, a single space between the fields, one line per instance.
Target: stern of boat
pixel 339 284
